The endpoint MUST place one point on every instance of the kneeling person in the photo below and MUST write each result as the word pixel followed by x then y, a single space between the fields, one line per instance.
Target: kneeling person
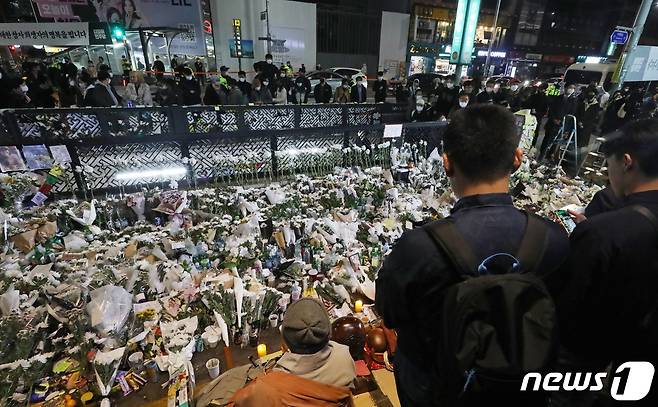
pixel 316 369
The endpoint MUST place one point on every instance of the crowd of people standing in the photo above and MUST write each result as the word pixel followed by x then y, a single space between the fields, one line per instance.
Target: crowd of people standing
pixel 592 108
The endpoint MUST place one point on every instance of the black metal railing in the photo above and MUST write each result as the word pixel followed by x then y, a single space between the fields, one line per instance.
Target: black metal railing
pixel 216 140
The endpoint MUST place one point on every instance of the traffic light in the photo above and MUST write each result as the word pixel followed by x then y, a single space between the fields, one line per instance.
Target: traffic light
pixel 118 33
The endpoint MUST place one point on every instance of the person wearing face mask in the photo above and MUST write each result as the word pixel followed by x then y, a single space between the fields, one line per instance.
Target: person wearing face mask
pixel 402 93
pixel 244 86
pixel 446 98
pixel 18 95
pixel 588 114
pixel 487 95
pixel 285 86
pixel 502 93
pixel 103 93
pixel 342 94
pixel 514 96
pixel 189 88
pixel 359 93
pixel 69 93
pixel 381 88
pixel 302 88
pixel 421 113
pixel 268 71
pixel 462 103
pixel 322 92
pixel 560 107
pixel 260 94
pixel 216 92
pixel 168 93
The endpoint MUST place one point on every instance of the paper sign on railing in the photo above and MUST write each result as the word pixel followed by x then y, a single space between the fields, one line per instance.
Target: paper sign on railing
pixel 392 130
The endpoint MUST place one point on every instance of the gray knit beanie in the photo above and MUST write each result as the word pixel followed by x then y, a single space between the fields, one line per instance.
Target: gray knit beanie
pixel 306 327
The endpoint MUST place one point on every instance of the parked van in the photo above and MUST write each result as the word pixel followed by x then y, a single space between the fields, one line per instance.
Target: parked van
pixel 584 74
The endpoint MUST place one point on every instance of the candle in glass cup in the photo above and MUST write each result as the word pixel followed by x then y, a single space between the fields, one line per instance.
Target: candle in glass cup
pixel 358 306
pixel 262 350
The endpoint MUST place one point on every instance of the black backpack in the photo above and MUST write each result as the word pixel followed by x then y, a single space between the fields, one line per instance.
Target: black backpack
pixel 498 320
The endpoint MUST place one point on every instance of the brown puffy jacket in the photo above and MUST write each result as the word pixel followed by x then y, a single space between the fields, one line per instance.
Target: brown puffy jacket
pixel 280 389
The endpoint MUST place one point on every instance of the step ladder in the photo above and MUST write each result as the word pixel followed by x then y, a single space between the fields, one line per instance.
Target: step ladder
pixel 565 143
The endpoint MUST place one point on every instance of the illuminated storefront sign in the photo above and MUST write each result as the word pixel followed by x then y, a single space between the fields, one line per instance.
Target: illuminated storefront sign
pixel 465 26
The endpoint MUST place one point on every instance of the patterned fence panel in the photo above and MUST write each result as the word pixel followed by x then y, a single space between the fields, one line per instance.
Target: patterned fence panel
pixel 110 160
pixel 216 159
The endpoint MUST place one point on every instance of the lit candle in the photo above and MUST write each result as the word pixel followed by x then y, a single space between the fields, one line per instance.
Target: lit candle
pixel 262 350
pixel 358 306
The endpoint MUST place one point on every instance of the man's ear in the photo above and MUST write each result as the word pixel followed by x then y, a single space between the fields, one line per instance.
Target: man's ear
pixel 518 159
pixel 628 162
pixel 447 165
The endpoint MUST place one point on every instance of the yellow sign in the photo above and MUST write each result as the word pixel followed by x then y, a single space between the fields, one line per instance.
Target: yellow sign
pixel 236 22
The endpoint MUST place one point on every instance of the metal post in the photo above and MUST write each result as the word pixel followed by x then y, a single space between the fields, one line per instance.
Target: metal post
pixel 36 19
pixel 491 41
pixel 145 49
pixel 631 45
pixel 269 35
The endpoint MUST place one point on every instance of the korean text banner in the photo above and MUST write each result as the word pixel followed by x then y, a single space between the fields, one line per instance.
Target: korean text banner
pixel 54 34
pixel 135 14
pixel 642 64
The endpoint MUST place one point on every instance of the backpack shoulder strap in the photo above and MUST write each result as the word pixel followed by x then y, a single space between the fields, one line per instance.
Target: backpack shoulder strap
pixel 533 244
pixel 642 210
pixel 647 214
pixel 447 237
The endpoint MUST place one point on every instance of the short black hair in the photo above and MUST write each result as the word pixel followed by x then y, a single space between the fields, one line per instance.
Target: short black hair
pixel 268 56
pixel 481 141
pixel 462 93
pixel 639 139
pixel 103 75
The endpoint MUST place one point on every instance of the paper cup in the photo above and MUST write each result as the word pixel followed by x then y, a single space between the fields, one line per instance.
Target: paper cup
pixel 274 320
pixel 212 341
pixel 205 337
pixel 136 360
pixel 213 367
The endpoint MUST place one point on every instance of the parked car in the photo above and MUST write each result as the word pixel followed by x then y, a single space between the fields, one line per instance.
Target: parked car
pixel 347 72
pixel 332 78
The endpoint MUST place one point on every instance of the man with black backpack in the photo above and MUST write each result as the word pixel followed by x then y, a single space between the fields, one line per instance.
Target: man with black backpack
pixel 608 307
pixel 462 292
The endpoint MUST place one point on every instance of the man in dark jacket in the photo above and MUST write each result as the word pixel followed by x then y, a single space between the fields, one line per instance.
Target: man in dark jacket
pixel 189 89
pixel 158 67
pixel 322 92
pixel 588 114
pixel 268 72
pixel 487 95
pixel 446 98
pixel 359 92
pixel 480 151
pixel 69 69
pixel 380 87
pixel 560 107
pixel 302 89
pixel 244 85
pixel 103 93
pixel 607 307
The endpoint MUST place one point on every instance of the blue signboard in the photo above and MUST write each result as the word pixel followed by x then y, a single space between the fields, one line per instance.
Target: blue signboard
pixel 619 37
